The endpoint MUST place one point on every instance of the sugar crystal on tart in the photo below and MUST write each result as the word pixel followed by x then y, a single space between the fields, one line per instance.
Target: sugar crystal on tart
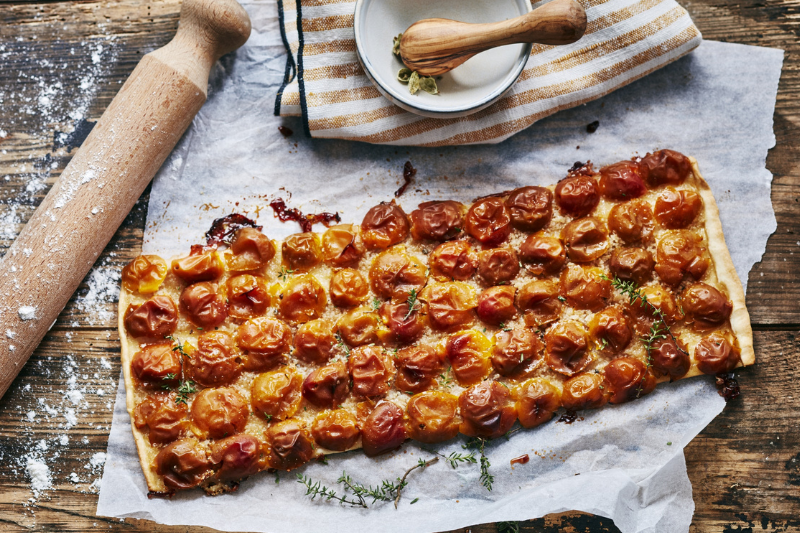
pixel 248 354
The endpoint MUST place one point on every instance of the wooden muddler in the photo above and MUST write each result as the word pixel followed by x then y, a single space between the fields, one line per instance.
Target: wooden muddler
pixel 60 243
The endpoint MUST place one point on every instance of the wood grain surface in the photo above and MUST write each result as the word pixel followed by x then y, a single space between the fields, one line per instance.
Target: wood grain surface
pixel 744 467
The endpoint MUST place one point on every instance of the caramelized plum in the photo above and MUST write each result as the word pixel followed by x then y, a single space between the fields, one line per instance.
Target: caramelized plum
pixel 236 457
pixel 154 319
pixel 314 342
pixel 327 386
pixel 205 266
pixel 453 261
pixel 665 167
pixel 248 296
pixel 631 264
pixel 716 355
pixel 215 362
pixel 487 410
pixel 264 341
pixel 670 358
pixel 342 246
pixel 514 349
pixel 577 195
pixel 395 275
pixel 250 249
pixel 585 391
pixel 155 362
pixel 417 368
pixel 586 239
pixel 303 299
pixel 164 419
pixel 219 412
pixel 488 221
pixel 677 209
pixel 183 464
pixel 359 326
pixel 450 305
pixel 348 288
pixel 383 226
pixel 276 394
pixel 622 181
pixel 542 254
pixel 336 430
pixel 405 323
pixel 432 417
pixel 371 370
pixel 469 353
pixel 437 221
pixel 496 305
pixel 530 208
pixel 537 401
pixel 498 265
pixel 384 429
pixel 610 330
pixel 659 298
pixel 203 306
pixel 301 251
pixel 539 302
pixel 679 253
pixel 585 288
pixel 631 221
pixel 628 379
pixel 144 274
pixel 290 444
pixel 565 348
pixel 706 305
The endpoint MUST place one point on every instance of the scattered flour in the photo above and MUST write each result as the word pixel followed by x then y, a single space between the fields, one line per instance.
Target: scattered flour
pixel 75 396
pixel 103 289
pixel 39 474
pixel 27 312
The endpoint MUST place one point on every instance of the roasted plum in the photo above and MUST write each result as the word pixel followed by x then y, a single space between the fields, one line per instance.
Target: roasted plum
pixel 303 299
pixel 622 181
pixel 515 349
pixel 537 401
pixel 248 296
pixel 205 266
pixel 328 386
pixel 437 221
pixel 610 330
pixel 496 305
pixel 394 275
pixel 314 342
pixel 585 287
pixel 250 250
pixel 530 208
pixel 539 302
pixel 359 326
pixel 498 265
pixel 183 464
pixel 406 323
pixel 585 391
pixel 301 251
pixel 219 412
pixel 203 305
pixel 488 221
pixel 216 360
pixel 669 357
pixel 585 239
pixel 348 288
pixel 631 221
pixel 336 430
pixel 566 348
pixel 264 341
pixel 417 368
pixel 165 419
pixel 469 353
pixel 665 167
pixel 680 253
pixel 371 370
pixel 628 379
pixel 542 255
pixel 236 457
pixel 453 261
pixel 290 445
pixel 383 226
pixel 487 410
pixel 450 305
pixel 706 305
pixel 676 209
pixel 342 246
pixel 154 319
pixel 432 417
pixel 157 364
pixel 631 264
pixel 577 195
pixel 716 355
pixel 383 430
pixel 276 395
pixel 144 274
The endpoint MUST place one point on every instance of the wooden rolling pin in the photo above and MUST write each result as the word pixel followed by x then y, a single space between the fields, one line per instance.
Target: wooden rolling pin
pixel 435 46
pixel 60 243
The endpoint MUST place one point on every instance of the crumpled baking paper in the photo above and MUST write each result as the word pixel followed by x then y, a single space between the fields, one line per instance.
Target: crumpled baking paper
pixel 624 462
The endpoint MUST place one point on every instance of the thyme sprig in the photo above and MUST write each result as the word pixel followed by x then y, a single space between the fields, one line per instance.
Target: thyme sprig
pixel 179 348
pixel 455 458
pixel 345 348
pixel 412 303
pixel 184 390
pixel 659 330
pixel 479 444
pixel 285 272
pixel 386 491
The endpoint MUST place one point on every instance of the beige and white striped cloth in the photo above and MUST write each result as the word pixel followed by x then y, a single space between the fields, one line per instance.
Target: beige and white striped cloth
pixel 324 83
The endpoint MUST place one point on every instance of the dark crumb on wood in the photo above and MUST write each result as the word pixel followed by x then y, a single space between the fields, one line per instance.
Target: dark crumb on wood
pixel 728 387
pixel 592 126
pixel 408 174
pixel 286 132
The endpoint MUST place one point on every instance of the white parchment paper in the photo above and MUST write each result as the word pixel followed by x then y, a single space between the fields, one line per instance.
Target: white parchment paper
pixel 624 462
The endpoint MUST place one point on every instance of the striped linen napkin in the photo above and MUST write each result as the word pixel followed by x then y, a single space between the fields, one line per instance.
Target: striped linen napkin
pixel 325 84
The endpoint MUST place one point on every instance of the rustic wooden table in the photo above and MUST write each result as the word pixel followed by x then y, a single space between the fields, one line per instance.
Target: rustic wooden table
pixel 60 65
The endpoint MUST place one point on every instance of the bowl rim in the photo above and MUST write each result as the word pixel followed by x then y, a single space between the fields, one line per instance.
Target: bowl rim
pixel 437 112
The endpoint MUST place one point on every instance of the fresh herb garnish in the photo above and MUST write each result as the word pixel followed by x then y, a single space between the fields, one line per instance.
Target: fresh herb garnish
pixel 479 444
pixel 184 390
pixel 284 273
pixel 504 327
pixel 396 44
pixel 376 304
pixel 412 303
pixel 342 345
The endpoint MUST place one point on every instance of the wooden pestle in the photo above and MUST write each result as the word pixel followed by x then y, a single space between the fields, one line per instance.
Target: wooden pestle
pixel 435 46
pixel 60 243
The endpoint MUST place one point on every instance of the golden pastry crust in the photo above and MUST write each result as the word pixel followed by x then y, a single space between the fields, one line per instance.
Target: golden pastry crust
pixel 493 274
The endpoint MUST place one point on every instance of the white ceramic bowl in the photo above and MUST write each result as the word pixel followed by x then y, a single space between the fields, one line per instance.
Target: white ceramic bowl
pixel 470 87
